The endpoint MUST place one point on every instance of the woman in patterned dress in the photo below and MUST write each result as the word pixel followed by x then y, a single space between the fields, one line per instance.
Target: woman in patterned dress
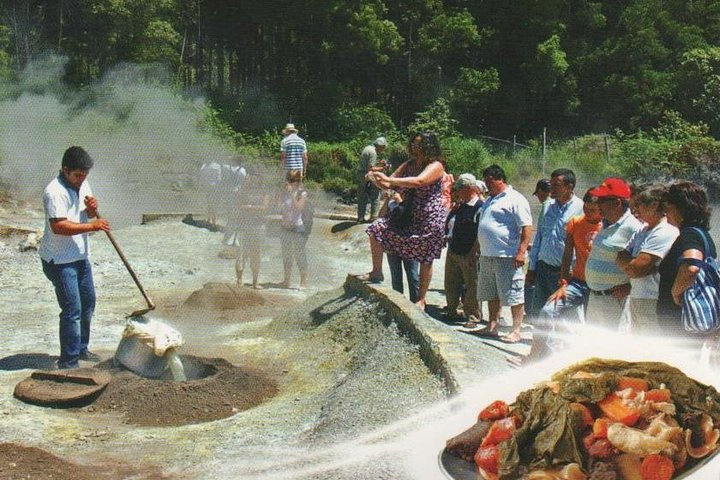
pixel 424 238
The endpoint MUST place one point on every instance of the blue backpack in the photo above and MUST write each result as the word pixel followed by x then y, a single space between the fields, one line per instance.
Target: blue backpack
pixel 701 302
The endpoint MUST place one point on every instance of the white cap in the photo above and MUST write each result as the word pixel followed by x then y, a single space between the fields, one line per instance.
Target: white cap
pixel 380 142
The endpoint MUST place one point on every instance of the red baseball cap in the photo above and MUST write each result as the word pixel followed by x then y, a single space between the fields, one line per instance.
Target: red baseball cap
pixel 612 187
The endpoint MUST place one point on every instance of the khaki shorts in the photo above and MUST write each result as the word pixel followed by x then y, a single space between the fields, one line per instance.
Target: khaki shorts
pixel 498 279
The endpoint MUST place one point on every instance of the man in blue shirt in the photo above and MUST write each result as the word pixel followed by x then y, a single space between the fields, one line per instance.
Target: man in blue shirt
pixel 549 243
pixel 70 211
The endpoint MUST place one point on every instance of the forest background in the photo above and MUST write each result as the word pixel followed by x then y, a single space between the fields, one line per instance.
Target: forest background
pixel 628 88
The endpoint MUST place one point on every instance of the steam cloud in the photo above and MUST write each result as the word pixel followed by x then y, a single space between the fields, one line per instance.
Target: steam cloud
pixel 144 137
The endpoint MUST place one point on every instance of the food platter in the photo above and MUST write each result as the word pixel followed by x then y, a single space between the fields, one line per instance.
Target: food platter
pixel 455 468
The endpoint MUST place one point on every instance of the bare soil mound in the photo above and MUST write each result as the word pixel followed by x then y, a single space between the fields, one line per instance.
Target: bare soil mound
pixel 223 296
pixel 226 390
pixel 19 462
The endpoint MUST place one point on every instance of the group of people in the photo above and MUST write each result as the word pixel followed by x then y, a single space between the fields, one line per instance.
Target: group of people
pixel 620 257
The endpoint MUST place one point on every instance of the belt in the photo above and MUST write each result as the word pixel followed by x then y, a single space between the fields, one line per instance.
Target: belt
pixel 552 268
pixel 609 291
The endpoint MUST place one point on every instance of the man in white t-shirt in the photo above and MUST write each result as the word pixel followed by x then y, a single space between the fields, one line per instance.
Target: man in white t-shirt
pixel 70 211
pixel 642 256
pixel 504 229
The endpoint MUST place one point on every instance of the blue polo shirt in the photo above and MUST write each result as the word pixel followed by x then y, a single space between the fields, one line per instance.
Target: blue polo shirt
pixel 549 242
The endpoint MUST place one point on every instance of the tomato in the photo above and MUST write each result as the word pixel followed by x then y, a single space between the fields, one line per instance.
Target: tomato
pixel 499 431
pixel 487 458
pixel 496 410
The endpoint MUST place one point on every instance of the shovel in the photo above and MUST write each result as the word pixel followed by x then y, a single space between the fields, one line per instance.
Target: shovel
pixel 151 305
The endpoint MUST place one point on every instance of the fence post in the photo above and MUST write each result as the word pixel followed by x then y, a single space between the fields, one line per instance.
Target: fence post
pixel 544 148
pixel 514 144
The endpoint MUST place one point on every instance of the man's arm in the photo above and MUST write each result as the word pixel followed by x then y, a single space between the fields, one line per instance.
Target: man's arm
pixel 63 226
pixel 567 258
pixel 305 162
pixel 521 255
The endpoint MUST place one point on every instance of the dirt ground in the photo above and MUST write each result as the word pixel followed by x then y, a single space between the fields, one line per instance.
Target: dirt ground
pixel 301 374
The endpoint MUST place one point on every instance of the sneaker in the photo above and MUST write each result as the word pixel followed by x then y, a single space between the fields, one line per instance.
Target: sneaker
pixel 67 365
pixel 90 356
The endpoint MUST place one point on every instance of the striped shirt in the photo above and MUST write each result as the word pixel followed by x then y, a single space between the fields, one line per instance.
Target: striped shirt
pixel 601 271
pixel 294 149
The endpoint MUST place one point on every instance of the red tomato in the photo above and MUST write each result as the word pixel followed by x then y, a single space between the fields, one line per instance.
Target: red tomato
pixel 499 431
pixel 487 458
pixel 495 411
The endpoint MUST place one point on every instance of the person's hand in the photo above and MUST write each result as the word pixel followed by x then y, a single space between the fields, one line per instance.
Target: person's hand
pixel 560 295
pixel 100 224
pixel 379 176
pixel 520 259
pixel 529 277
pixel 620 291
pixel 91 205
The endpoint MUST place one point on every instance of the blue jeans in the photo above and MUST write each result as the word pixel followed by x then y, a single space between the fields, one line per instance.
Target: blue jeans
pixel 559 318
pixel 546 282
pixel 75 294
pixel 412 270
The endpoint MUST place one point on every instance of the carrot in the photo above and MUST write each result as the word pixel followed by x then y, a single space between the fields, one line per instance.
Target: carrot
pixel 600 427
pixel 584 411
pixel 656 467
pixel 636 384
pixel 614 408
pixel 658 395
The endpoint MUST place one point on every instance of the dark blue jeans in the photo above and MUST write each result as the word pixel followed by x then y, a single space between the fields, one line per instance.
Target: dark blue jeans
pixel 412 270
pixel 75 294
pixel 546 282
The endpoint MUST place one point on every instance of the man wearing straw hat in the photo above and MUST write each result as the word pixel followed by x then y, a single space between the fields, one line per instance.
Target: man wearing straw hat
pixel 293 151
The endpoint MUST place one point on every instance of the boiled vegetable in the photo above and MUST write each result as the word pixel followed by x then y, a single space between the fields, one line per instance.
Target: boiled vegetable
pixel 616 410
pixel 656 467
pixel 495 411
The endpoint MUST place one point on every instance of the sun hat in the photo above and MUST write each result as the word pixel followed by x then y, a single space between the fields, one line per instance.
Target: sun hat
pixel 464 180
pixel 290 127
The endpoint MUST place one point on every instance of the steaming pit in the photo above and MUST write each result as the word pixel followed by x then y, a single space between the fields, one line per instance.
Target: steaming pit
pixel 215 389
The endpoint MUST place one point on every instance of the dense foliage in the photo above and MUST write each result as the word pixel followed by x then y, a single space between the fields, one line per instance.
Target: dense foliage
pixel 505 68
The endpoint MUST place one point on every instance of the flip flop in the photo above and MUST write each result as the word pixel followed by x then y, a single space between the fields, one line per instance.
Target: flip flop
pixel 471 324
pixel 511 338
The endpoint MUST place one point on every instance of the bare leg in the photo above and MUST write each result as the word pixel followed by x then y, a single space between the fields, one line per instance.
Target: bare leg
pixel 494 314
pixel 376 253
pixel 517 316
pixel 425 277
pixel 239 265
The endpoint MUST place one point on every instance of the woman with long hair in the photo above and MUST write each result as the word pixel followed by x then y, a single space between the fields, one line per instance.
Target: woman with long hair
pixel 423 238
